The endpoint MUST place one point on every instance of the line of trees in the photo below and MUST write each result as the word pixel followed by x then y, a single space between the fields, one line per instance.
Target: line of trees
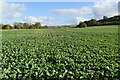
pixel 93 22
pixel 19 25
pixel 105 21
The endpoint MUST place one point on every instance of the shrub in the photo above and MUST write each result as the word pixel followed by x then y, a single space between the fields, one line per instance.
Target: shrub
pixel 82 24
pixel 6 26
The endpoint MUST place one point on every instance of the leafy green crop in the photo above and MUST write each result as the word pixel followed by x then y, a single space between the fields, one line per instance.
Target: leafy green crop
pixel 66 53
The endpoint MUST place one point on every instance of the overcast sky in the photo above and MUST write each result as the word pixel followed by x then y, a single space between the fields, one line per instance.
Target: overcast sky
pixel 56 13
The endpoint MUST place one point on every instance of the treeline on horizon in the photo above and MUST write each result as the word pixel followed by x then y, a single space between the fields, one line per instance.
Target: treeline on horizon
pixel 20 25
pixel 93 22
pixel 105 21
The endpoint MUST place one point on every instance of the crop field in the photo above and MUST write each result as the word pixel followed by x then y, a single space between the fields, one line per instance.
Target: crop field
pixel 61 53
